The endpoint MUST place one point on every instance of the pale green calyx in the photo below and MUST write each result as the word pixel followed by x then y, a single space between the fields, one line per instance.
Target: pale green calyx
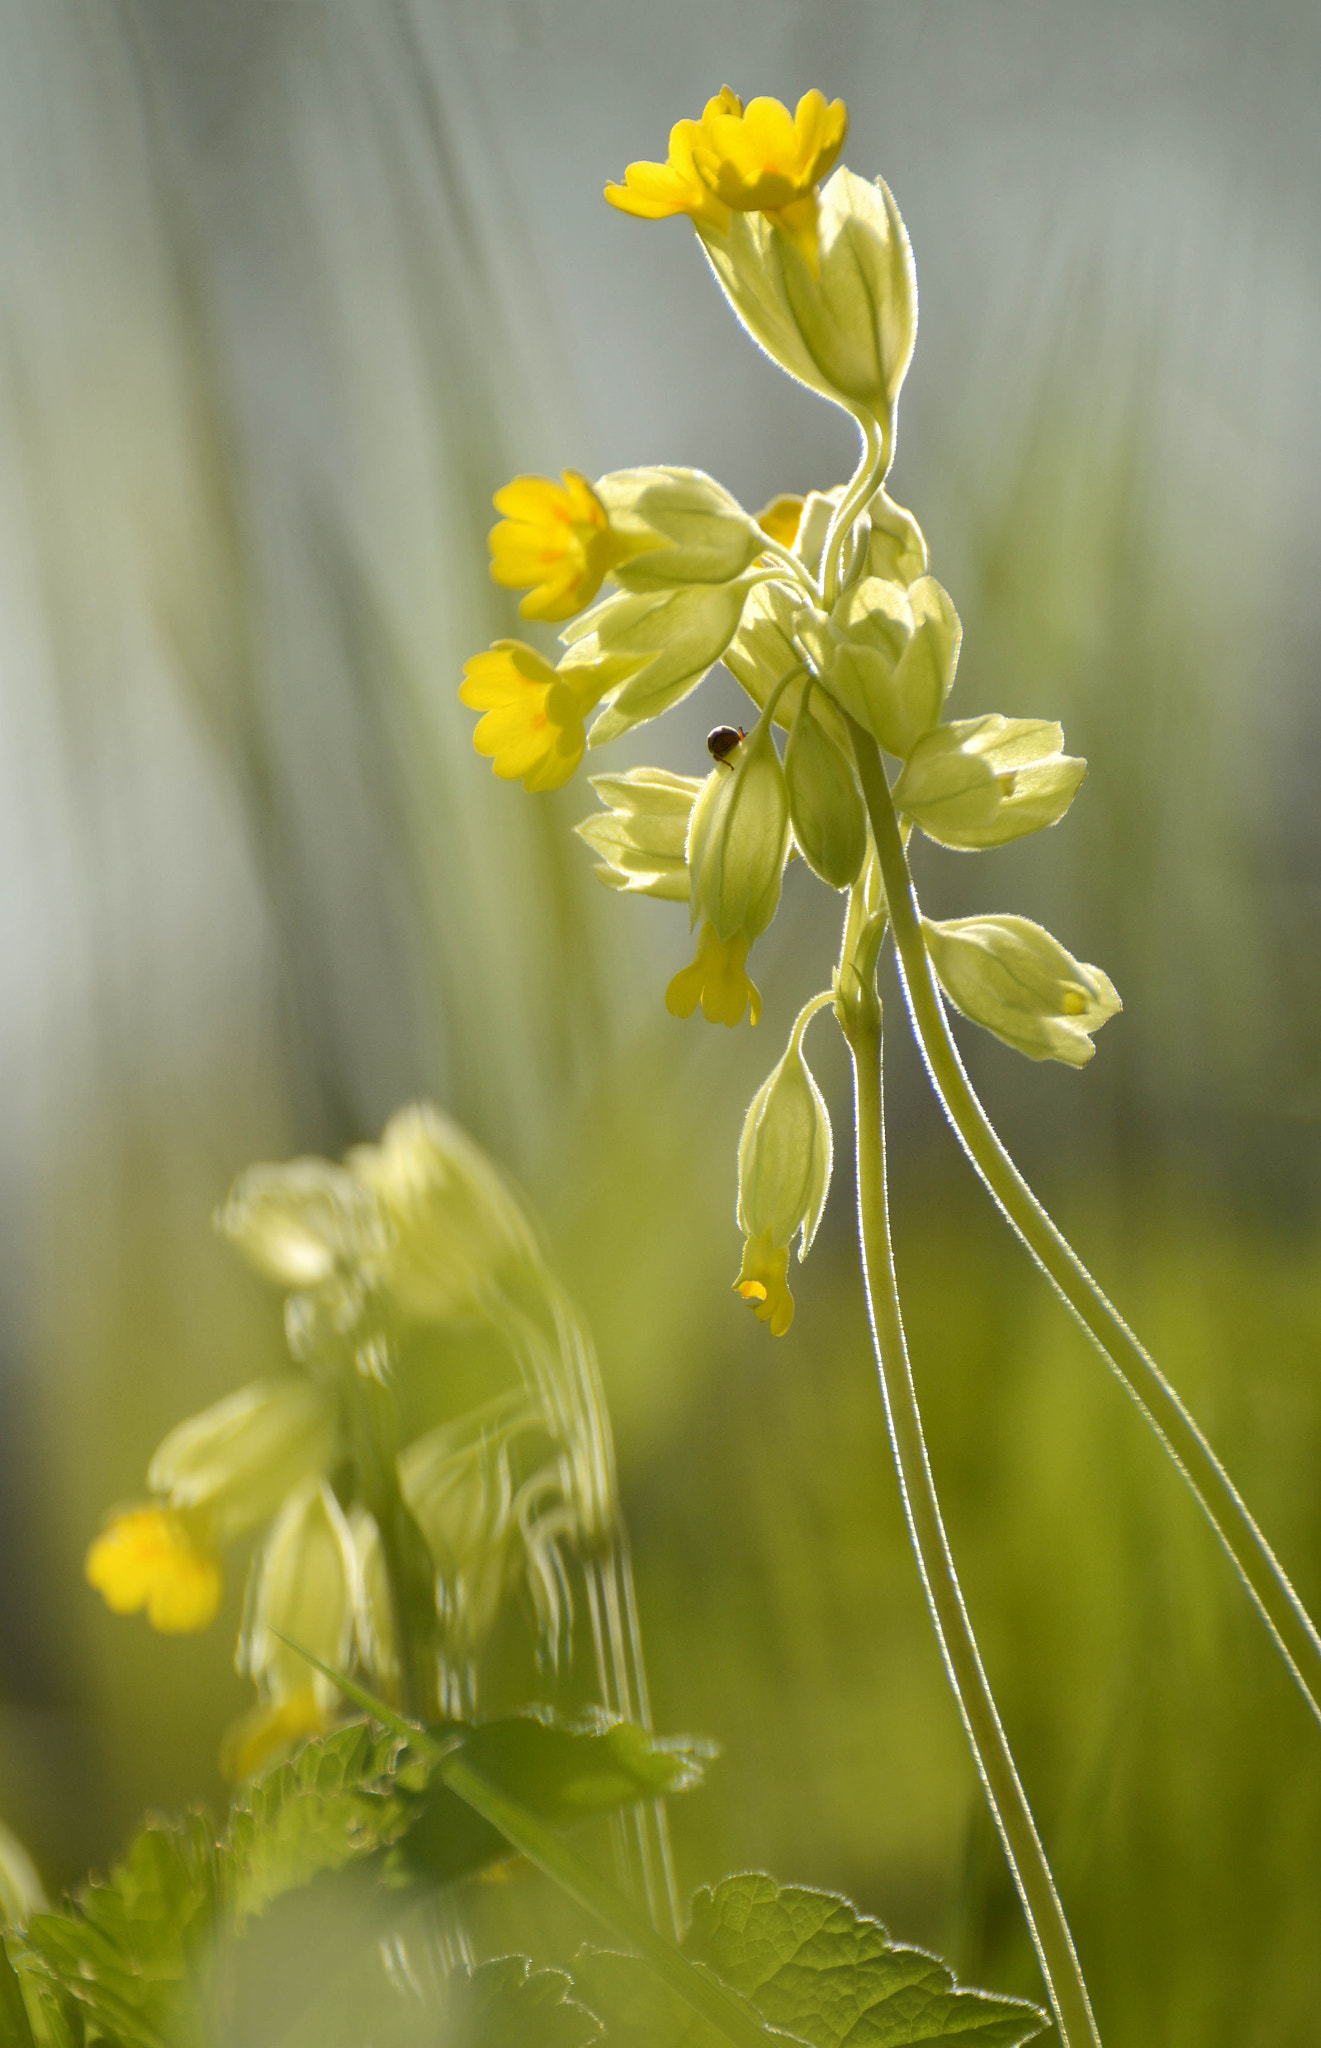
pixel 673 526
pixel 239 1459
pixel 667 640
pixel 889 657
pixel 739 839
pixel 642 834
pixel 896 547
pixel 984 781
pixel 784 1154
pixel 765 649
pixel 303 1224
pixel 847 332
pixel 825 803
pixel 303 1589
pixel 1013 978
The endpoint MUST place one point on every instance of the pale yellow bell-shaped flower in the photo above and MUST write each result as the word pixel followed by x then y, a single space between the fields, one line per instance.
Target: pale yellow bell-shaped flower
pixel 239 1459
pixel 784 1161
pixel 1008 975
pixel 303 1590
pixel 642 834
pixel 983 781
pixel 888 656
pixel 663 642
pixel 826 808
pixel 675 526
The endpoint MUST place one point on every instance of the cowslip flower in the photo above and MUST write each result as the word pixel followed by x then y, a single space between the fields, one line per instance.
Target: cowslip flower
pixel 762 159
pixel 157 1558
pixel 784 1159
pixel 554 541
pixel 532 730
pixel 763 1281
pixel 716 977
pixel 657 191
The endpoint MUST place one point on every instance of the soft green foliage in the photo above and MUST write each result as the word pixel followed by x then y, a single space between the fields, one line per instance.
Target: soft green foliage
pixel 814 1968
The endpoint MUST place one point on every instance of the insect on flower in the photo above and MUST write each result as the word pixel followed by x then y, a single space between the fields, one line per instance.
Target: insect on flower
pixel 721 742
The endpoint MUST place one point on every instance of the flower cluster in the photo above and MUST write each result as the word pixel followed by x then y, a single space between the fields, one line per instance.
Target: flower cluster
pixel 405 1238
pixel 826 613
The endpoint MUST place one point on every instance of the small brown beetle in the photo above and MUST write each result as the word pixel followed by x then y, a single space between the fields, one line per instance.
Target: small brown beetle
pixel 721 743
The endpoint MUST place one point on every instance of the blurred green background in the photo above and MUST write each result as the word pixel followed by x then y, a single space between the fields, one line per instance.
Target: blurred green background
pixel 287 290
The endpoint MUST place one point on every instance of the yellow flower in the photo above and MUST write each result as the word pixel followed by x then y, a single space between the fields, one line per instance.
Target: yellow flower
pixel 266 1731
pixel 554 541
pixel 150 1557
pixel 716 978
pixel 533 727
pixel 761 159
pixel 655 191
pixel 782 518
pixel 763 1280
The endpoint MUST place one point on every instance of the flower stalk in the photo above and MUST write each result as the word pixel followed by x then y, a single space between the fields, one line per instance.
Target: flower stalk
pixel 859 1013
pixel 1255 1561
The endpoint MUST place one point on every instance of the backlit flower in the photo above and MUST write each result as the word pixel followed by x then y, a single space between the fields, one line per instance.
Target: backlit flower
pixel 554 542
pixel 269 1730
pixel 762 159
pixel 763 1280
pixel 533 725
pixel 717 978
pixel 151 1557
pixel 655 191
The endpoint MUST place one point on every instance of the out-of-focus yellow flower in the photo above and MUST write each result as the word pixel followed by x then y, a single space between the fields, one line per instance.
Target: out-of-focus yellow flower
pixel 554 541
pixel 150 1557
pixel 533 728
pixel 762 159
pixel 717 978
pixel 781 518
pixel 655 191
pixel 763 1280
pixel 268 1731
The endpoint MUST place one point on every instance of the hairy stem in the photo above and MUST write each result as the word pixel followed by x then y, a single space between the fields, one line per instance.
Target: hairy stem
pixel 1261 1571
pixel 860 1017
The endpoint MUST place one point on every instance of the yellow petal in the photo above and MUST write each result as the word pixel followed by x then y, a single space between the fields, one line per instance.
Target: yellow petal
pixel 149 1557
pixel 763 1282
pixel 265 1732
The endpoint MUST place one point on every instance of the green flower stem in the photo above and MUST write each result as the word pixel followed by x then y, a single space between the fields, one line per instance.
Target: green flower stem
pixel 860 1018
pixel 867 479
pixel 1281 1609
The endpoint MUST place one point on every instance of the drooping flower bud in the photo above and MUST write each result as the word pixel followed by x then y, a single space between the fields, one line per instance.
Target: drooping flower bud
pixel 303 1590
pixel 784 1159
pixel 847 329
pixel 984 781
pixel 676 526
pixel 642 835
pixel 664 642
pixel 739 839
pixel 889 657
pixel 1013 978
pixel 240 1458
pixel 825 803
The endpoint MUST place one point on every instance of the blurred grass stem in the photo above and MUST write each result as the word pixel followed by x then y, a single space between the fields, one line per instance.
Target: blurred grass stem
pixel 860 1017
pixel 1282 1610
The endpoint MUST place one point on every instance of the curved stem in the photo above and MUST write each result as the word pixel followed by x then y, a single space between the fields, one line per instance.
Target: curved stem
pixel 869 474
pixel 1261 1571
pixel 1000 1780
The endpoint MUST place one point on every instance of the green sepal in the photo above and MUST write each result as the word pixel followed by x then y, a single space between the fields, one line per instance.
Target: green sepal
pixel 739 840
pixel 1011 977
pixel 825 803
pixel 982 782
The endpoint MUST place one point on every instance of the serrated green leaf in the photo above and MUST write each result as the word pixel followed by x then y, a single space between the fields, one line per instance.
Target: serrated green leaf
pixel 639 2011
pixel 508 2004
pixel 816 1968
pixel 332 1803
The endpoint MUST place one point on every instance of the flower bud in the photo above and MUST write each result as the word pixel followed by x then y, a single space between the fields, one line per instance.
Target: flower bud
pixel 1013 978
pixel 642 835
pixel 784 1158
pixel 825 803
pixel 303 1588
pixel 765 649
pixel 453 1223
pixel 240 1458
pixel 896 549
pixel 984 781
pixel 846 332
pixel 675 526
pixel 739 840
pixel 669 639
pixel 304 1223
pixel 889 657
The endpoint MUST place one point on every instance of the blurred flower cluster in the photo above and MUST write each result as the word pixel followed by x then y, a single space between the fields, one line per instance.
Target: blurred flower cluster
pixel 392 1557
pixel 825 611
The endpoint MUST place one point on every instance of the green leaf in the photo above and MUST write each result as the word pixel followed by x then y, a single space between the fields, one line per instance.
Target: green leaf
pixel 562 1772
pixel 814 1969
pixel 333 1803
pixel 508 2004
